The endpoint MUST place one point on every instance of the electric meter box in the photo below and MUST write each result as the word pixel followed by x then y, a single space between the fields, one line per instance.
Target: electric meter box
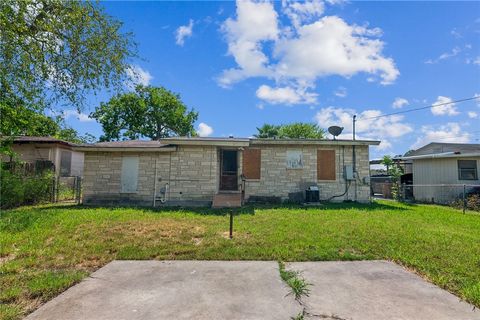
pixel 348 172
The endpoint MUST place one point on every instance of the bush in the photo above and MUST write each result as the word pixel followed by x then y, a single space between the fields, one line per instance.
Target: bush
pixel 472 202
pixel 18 188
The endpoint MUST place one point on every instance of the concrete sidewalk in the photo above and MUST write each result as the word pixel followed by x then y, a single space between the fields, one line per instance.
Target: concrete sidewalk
pixel 253 290
pixel 376 290
pixel 176 290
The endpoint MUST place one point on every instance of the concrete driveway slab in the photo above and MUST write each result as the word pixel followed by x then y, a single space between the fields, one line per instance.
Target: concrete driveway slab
pixel 176 290
pixel 376 290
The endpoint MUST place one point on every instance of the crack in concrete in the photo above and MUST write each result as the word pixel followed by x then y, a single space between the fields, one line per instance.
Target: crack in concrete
pixel 323 316
pixel 304 306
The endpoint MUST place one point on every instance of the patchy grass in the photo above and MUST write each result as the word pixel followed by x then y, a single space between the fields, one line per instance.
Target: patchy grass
pixel 46 249
pixel 298 285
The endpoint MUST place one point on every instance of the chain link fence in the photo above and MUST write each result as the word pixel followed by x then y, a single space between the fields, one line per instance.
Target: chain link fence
pixel 67 189
pixel 464 196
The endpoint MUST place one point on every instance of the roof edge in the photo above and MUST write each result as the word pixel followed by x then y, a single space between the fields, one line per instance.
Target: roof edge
pixel 93 148
pixel 442 155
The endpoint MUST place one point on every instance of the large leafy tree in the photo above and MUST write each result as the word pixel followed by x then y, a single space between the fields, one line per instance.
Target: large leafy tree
pixel 22 121
pixel 54 51
pixel 152 112
pixel 297 130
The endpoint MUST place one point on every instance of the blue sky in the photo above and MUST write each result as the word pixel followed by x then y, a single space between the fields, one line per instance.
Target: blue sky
pixel 244 64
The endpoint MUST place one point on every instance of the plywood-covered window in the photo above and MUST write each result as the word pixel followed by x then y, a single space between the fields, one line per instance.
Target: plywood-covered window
pixel 65 163
pixel 294 159
pixel 129 174
pixel 326 165
pixel 252 159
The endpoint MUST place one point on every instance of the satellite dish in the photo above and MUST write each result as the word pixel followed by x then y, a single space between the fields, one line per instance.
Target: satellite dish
pixel 335 131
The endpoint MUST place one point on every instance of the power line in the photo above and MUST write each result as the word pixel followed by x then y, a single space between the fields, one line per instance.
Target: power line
pixel 421 108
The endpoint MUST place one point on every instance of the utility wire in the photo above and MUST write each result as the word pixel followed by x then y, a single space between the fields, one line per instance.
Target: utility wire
pixel 421 108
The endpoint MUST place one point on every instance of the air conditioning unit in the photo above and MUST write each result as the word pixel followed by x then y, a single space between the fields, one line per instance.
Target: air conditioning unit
pixel 312 194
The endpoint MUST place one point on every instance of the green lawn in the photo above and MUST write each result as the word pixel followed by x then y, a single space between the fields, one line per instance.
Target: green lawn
pixel 46 249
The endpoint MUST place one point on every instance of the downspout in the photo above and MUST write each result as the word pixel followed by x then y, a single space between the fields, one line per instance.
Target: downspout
pixel 155 184
pixel 347 183
pixel 354 158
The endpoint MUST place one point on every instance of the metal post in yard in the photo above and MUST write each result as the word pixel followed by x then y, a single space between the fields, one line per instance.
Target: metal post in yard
pixel 78 185
pixel 403 192
pixel 464 198
pixel 57 189
pixel 52 195
pixel 231 224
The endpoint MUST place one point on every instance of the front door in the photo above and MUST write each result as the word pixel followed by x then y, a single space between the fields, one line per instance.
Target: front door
pixel 228 170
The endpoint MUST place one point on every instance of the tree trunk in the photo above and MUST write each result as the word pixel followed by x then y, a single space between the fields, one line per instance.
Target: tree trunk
pixel 159 132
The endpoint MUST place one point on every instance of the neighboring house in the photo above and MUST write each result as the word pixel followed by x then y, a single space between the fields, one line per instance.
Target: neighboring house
pixel 187 171
pixel 66 162
pixel 441 169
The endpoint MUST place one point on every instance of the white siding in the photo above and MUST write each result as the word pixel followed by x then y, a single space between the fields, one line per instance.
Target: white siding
pixel 439 171
pixel 129 174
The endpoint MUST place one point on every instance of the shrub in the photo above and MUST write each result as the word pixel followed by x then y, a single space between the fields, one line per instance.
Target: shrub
pixel 472 202
pixel 18 188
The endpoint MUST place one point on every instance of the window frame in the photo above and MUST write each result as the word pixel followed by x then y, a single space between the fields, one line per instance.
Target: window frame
pixel 473 169
pixel 287 162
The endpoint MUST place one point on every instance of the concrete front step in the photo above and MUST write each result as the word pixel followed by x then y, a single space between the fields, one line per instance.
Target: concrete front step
pixel 227 200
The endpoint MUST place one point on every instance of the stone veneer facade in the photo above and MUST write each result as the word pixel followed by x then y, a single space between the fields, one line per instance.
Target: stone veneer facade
pixel 192 175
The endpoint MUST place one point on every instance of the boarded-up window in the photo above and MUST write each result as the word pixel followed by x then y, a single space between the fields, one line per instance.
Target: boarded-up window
pixel 65 163
pixel 326 165
pixel 129 174
pixel 294 159
pixel 251 163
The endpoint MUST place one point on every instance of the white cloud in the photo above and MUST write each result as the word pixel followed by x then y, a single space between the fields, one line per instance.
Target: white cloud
pixel 447 107
pixel 204 130
pixel 472 114
pixel 451 132
pixel 456 33
pixel 137 75
pixel 446 55
pixel 300 12
pixel 384 128
pixel 399 103
pixel 285 95
pixel 341 92
pixel 183 32
pixel 255 23
pixel 82 117
pixel 299 56
pixel 330 46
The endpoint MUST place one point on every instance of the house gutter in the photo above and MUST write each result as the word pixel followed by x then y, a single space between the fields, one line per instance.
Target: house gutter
pixel 125 149
pixel 442 155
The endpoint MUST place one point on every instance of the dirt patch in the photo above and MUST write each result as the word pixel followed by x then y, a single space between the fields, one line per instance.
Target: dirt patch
pixel 6 258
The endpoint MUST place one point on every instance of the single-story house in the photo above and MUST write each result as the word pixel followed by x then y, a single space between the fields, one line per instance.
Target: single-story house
pixel 48 151
pixel 188 171
pixel 440 170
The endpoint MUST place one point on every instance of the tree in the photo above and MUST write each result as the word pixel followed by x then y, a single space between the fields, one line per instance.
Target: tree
pixel 387 161
pixel 54 51
pixel 395 172
pixel 297 130
pixel 22 121
pixel 267 131
pixel 152 112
